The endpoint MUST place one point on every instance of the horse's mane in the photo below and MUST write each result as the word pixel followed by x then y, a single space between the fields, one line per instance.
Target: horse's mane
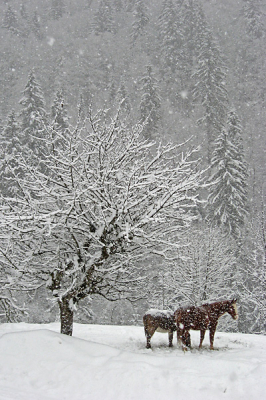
pixel 216 302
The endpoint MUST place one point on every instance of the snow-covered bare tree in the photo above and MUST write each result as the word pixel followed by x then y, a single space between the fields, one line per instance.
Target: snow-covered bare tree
pixel 252 285
pixel 12 279
pixel 204 271
pixel 107 201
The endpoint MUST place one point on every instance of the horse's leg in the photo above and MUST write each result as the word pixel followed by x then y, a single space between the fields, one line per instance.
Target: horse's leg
pixel 212 333
pixel 170 336
pixel 148 336
pixel 149 333
pixel 186 339
pixel 178 334
pixel 202 334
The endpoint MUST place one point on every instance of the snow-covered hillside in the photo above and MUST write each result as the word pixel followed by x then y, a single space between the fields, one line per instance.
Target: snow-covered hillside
pixel 112 363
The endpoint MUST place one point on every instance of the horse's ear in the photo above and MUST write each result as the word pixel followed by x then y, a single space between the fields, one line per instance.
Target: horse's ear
pixel 234 301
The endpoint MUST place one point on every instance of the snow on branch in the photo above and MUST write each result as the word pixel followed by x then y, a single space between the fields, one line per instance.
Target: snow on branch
pixel 100 199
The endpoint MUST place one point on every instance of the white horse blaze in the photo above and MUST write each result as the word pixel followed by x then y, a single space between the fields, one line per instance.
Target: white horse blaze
pixel 235 307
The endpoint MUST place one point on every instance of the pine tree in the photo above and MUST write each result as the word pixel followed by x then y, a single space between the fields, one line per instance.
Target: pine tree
pixel 11 133
pixel 36 26
pixel 23 12
pixel 33 116
pixel 141 20
pixel 170 37
pixel 171 49
pixel 252 16
pixel 103 19
pixel 123 100
pixel 88 3
pixel 129 5
pixel 59 112
pixel 195 28
pixel 59 117
pixel 118 5
pixel 10 21
pixel 210 89
pixel 58 8
pixel 227 200
pixel 10 148
pixel 150 104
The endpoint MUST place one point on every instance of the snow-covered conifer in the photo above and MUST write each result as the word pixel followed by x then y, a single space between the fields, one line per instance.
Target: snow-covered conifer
pixel 10 150
pixel 253 19
pixel 33 116
pixel 170 37
pixel 227 200
pixel 210 89
pixel 10 21
pixel 59 117
pixel 150 103
pixel 141 19
pixel 59 114
pixel 103 19
pixel 36 26
pixel 58 8
pixel 123 100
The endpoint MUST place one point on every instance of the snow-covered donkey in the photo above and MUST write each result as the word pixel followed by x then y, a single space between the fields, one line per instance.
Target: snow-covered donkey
pixel 159 321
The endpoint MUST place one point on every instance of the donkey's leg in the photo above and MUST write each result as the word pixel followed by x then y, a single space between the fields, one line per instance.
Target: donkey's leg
pixel 170 336
pixel 202 334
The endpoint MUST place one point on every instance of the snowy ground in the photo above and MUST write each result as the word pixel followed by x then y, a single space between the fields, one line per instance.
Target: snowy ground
pixel 112 363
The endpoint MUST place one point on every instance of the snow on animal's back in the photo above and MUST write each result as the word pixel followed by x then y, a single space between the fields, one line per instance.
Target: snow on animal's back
pixel 159 313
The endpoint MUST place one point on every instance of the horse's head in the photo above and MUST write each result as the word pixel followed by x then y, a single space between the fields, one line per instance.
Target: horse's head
pixel 232 309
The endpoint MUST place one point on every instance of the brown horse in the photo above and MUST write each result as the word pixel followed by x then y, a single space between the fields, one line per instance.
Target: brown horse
pixel 202 318
pixel 159 321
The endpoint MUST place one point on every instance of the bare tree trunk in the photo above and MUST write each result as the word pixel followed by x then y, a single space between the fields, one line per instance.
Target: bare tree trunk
pixel 66 317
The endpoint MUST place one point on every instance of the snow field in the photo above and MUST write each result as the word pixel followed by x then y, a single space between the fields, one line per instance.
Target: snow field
pixel 103 362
